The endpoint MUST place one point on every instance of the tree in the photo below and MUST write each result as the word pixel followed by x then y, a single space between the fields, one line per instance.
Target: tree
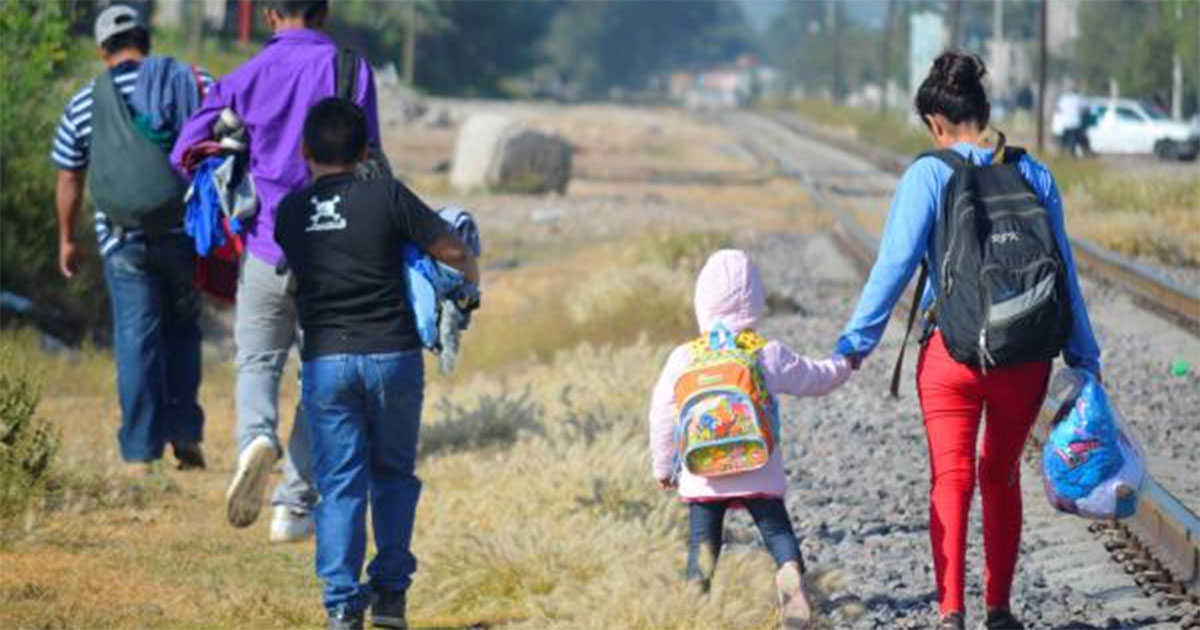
pixel 483 43
pixel 36 50
pixel 602 45
pixel 1134 42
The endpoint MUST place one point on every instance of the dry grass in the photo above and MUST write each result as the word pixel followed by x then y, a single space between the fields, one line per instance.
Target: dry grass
pixel 539 509
pixel 1138 212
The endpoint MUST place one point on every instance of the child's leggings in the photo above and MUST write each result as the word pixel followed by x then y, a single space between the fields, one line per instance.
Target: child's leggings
pixel 707 523
pixel 953 397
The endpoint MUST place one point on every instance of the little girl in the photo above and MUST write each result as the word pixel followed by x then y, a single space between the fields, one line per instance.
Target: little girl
pixel 730 297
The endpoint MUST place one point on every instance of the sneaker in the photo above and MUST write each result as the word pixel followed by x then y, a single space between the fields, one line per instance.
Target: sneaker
pixel 244 499
pixel 952 621
pixel 189 455
pixel 289 525
pixel 136 470
pixel 1002 619
pixel 387 610
pixel 794 610
pixel 343 619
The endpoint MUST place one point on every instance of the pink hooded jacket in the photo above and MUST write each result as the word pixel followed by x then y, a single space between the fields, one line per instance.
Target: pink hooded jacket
pixel 730 290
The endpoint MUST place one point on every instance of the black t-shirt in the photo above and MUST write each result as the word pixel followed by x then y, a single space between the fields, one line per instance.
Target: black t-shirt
pixel 343 240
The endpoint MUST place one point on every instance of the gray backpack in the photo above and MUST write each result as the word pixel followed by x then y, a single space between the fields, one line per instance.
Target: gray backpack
pixel 129 177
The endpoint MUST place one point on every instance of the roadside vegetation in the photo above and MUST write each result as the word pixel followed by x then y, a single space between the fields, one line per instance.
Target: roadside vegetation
pixel 1141 212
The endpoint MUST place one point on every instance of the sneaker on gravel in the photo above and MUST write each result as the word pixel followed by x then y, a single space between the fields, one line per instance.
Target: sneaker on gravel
pixel 344 619
pixel 387 610
pixel 189 455
pixel 952 621
pixel 1002 619
pixel 244 499
pixel 794 610
pixel 289 525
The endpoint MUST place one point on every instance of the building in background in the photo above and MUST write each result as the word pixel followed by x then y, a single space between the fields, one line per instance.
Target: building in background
pixel 927 38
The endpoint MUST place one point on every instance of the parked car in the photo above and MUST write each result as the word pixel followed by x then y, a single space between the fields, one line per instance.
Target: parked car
pixel 1130 126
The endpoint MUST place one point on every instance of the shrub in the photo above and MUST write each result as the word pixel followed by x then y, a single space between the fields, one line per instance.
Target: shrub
pixel 37 52
pixel 27 448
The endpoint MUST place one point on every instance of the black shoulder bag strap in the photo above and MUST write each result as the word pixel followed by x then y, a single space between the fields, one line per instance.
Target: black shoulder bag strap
pixel 954 161
pixel 912 317
pixel 347 73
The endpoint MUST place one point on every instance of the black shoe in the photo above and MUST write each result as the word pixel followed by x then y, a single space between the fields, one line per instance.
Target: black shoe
pixel 952 621
pixel 387 610
pixel 1002 619
pixel 190 455
pixel 344 619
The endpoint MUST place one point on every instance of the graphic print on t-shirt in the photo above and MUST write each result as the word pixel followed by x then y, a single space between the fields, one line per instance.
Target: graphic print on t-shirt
pixel 325 215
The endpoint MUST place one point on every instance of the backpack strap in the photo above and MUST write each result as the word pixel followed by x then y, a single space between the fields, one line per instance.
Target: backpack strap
pixel 912 317
pixel 949 157
pixel 346 73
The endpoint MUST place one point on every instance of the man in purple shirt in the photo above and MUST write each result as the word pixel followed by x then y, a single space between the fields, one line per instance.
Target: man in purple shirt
pixel 272 93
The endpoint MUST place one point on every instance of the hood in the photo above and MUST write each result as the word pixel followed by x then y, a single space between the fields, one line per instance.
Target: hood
pixel 729 289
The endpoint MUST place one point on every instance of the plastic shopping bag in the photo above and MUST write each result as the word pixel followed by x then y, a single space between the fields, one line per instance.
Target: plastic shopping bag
pixel 1091 465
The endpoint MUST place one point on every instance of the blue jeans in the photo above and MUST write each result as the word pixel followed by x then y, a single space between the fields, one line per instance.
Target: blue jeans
pixel 156 340
pixel 707 524
pixel 364 415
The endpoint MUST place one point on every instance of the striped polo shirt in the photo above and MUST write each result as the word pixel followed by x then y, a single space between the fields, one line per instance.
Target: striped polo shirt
pixel 72 139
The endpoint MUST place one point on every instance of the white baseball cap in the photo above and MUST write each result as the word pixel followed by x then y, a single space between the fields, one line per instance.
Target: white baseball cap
pixel 116 20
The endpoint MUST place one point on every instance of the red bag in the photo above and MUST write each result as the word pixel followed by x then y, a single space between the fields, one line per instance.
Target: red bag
pixel 217 273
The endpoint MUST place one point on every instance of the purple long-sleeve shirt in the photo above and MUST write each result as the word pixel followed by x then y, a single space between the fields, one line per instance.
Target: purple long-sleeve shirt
pixel 272 93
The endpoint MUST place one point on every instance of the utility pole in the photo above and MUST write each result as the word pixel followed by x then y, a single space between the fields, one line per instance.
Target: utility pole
pixel 885 57
pixel 998 20
pixel 955 21
pixel 410 44
pixel 1177 72
pixel 834 27
pixel 1041 93
pixel 195 27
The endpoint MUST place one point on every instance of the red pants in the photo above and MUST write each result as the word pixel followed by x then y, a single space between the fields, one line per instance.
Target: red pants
pixel 953 398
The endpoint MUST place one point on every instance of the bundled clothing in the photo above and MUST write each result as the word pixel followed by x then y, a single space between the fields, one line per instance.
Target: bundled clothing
pixel 441 298
pixel 222 195
pixel 166 94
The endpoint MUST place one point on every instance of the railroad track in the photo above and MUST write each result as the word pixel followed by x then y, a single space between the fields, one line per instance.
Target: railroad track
pixel 1153 289
pixel 1159 547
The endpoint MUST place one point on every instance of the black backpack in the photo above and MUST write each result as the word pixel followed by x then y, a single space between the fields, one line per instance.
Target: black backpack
pixel 346 76
pixel 129 177
pixel 1003 294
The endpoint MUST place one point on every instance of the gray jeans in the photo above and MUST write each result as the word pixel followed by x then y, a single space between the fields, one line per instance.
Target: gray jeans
pixel 265 328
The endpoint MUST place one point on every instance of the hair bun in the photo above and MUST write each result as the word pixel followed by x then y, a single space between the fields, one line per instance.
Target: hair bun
pixel 963 71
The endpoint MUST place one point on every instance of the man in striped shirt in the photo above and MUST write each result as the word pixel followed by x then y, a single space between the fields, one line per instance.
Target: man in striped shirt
pixel 149 277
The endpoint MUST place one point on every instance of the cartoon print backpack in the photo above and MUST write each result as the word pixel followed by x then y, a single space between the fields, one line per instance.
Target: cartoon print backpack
pixel 1090 464
pixel 728 420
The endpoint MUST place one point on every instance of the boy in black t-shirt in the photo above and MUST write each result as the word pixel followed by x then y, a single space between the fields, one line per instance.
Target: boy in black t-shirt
pixel 362 374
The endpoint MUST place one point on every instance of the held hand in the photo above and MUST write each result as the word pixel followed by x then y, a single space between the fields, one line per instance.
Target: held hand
pixel 666 484
pixel 69 259
pixel 855 362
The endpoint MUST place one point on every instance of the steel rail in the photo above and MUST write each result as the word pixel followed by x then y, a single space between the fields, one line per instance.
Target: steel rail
pixel 1151 287
pixel 1159 545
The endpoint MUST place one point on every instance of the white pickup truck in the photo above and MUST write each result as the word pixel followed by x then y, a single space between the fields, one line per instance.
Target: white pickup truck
pixel 1130 126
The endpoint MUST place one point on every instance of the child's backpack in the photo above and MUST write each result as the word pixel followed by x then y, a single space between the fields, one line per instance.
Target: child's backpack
pixel 1090 465
pixel 728 419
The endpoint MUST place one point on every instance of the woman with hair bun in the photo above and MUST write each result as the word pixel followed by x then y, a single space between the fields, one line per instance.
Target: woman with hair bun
pixel 954 395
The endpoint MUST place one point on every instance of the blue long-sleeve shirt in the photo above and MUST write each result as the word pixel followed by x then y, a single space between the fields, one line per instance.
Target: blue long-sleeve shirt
pixel 908 238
